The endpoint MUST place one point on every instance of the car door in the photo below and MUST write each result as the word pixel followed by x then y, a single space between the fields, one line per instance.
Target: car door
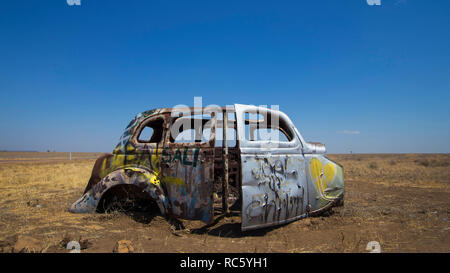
pixel 274 186
pixel 187 165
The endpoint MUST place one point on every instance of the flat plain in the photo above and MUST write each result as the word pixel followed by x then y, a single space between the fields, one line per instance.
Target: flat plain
pixel 401 201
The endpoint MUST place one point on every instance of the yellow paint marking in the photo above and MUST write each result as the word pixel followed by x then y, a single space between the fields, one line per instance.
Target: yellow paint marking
pixel 173 180
pixel 322 175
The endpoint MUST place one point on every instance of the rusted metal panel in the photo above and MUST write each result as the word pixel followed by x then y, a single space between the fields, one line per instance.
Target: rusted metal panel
pixel 181 173
pixel 142 179
pixel 187 176
pixel 188 168
pixel 225 165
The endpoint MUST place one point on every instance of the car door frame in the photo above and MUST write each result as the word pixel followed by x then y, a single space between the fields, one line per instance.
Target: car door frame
pixel 274 184
pixel 188 172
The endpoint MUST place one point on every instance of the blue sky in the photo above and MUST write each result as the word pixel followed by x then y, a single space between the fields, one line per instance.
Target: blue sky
pixel 367 79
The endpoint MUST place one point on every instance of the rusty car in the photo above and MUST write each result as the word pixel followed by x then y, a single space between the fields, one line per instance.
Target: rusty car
pixel 196 163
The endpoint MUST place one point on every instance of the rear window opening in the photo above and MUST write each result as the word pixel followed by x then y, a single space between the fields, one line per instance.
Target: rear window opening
pixel 152 132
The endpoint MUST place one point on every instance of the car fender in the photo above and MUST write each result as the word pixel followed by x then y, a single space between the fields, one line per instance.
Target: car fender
pixel 145 180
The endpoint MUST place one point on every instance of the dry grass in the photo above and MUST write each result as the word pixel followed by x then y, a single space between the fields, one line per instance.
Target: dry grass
pixel 34 196
pixel 413 170
pixel 401 201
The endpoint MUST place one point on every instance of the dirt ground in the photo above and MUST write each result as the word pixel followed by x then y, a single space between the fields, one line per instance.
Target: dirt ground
pixel 401 201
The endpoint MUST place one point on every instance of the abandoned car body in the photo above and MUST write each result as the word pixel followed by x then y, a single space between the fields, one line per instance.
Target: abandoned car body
pixel 192 162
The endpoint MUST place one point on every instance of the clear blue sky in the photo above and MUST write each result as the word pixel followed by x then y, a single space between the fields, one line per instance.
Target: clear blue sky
pixel 356 77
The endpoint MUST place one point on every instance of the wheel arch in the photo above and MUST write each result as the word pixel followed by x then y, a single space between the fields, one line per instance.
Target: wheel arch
pixel 138 179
